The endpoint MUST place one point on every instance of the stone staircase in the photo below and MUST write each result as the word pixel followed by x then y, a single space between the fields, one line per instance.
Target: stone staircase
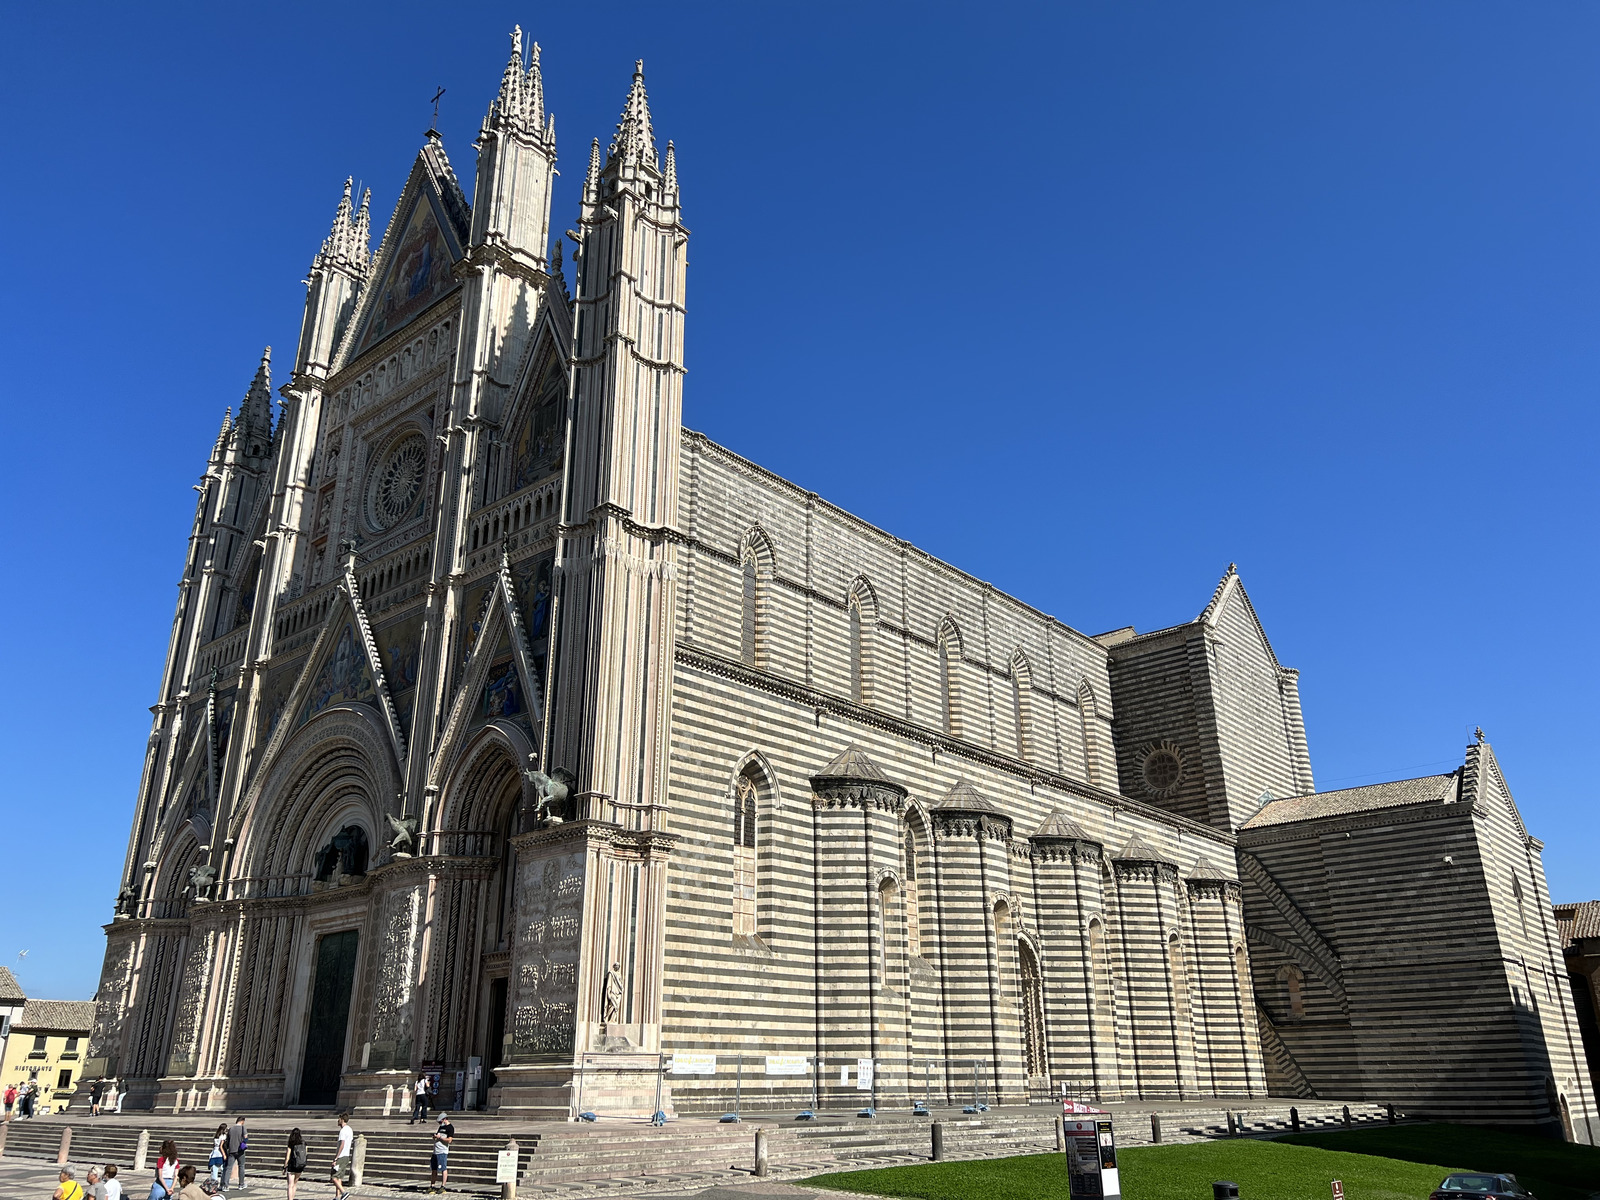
pixel 559 1160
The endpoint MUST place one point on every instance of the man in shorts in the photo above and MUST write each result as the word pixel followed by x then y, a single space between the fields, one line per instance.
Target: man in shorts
pixel 343 1162
pixel 439 1165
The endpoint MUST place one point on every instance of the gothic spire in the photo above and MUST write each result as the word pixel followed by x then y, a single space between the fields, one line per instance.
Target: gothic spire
pixel 222 435
pixel 520 102
pixel 670 183
pixel 346 243
pixel 635 140
pixel 253 432
pixel 591 181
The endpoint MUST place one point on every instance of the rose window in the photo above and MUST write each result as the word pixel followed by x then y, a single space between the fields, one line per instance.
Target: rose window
pixel 399 481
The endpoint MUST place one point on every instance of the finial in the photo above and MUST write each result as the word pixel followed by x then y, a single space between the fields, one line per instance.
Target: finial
pixel 516 42
pixel 638 68
pixel 1478 733
pixel 1233 568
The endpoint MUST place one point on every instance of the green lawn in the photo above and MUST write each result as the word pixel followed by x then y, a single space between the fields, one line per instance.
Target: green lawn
pixel 1401 1163
pixel 1549 1169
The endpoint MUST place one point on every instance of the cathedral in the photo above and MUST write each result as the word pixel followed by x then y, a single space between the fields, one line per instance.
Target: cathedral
pixel 511 732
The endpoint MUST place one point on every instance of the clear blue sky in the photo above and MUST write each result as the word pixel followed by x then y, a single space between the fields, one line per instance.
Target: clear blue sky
pixel 1090 300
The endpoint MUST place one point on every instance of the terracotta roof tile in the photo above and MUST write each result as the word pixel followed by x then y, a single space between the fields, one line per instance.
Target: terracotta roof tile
pixel 10 990
pixel 58 1016
pixel 1427 790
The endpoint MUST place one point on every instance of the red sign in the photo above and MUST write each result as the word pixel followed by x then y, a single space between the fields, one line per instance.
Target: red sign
pixel 1338 1190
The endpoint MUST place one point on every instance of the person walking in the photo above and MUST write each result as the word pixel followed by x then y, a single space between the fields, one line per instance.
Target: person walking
pixel 294 1160
pixel 219 1153
pixel 112 1184
pixel 342 1160
pixel 419 1111
pixel 167 1167
pixel 70 1188
pixel 96 1090
pixel 188 1189
pixel 237 1142
pixel 10 1098
pixel 439 1165
pixel 117 1090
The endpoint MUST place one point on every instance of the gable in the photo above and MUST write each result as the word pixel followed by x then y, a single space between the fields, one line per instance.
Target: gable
pixel 415 265
pixel 344 676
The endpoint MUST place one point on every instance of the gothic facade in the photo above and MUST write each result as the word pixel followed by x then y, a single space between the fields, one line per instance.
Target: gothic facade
pixel 507 723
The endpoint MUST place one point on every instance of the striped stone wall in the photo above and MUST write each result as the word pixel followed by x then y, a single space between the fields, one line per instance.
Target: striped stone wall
pixel 1394 961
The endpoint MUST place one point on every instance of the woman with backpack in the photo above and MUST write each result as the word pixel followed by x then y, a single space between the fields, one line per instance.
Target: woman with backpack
pixel 167 1167
pixel 294 1160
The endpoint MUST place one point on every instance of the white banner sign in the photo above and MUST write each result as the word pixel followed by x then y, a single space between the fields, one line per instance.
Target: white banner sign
pixel 863 1074
pixel 684 1063
pixel 787 1064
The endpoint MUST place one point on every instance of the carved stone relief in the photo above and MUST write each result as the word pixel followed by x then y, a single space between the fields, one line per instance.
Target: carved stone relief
pixel 393 1002
pixel 549 920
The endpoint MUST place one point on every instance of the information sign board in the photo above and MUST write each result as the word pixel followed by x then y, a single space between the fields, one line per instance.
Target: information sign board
pixel 505 1167
pixel 684 1063
pixel 787 1064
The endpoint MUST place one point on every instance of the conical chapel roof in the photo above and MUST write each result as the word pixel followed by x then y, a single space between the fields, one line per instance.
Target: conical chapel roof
pixel 1059 826
pixel 1139 850
pixel 963 797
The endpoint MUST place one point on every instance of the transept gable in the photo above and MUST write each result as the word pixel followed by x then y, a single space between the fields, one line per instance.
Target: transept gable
pixel 415 266
pixel 1230 595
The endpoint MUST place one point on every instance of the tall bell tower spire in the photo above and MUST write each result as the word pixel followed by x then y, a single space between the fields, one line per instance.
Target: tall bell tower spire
pixel 516 162
pixel 620 564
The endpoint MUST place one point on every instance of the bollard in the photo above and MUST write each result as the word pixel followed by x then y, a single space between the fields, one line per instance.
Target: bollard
pixel 388 1100
pixel 142 1150
pixel 358 1160
pixel 1061 1138
pixel 938 1141
pixel 63 1154
pixel 1347 1114
pixel 1233 1128
pixel 1294 1118
pixel 761 1153
pixel 1224 1189
pixel 508 1188
pixel 1391 1114
pixel 4 1125
pixel 1155 1129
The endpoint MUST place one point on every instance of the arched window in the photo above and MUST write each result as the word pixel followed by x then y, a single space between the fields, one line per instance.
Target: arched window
pixel 862 611
pixel 1102 1021
pixel 747 611
pixel 950 677
pixel 1089 722
pixel 1022 704
pixel 1032 1009
pixel 1292 991
pixel 886 920
pixel 912 903
pixel 744 855
pixel 1178 968
pixel 855 650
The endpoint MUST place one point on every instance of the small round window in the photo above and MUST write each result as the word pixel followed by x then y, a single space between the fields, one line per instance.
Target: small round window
pixel 1163 769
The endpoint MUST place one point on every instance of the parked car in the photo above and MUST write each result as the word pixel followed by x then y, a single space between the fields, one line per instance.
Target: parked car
pixel 1473 1186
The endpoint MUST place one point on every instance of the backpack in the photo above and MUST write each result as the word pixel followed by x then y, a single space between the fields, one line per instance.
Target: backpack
pixel 297 1158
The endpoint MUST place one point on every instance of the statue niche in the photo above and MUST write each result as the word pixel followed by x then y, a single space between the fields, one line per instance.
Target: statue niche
pixel 344 857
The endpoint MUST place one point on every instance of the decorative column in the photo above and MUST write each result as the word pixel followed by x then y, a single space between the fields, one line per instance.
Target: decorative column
pixel 971 839
pixel 856 812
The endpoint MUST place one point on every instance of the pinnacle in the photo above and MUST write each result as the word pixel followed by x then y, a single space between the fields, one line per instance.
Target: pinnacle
pixel 520 102
pixel 635 140
pixel 346 243
pixel 671 180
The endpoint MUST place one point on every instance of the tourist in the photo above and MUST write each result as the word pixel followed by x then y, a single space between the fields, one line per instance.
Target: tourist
pixel 439 1165
pixel 112 1185
pixel 118 1092
pixel 10 1098
pixel 420 1111
pixel 294 1160
pixel 237 1143
pixel 96 1089
pixel 167 1166
pixel 109 1099
pixel 342 1160
pixel 70 1189
pixel 219 1153
pixel 188 1188
pixel 92 1186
